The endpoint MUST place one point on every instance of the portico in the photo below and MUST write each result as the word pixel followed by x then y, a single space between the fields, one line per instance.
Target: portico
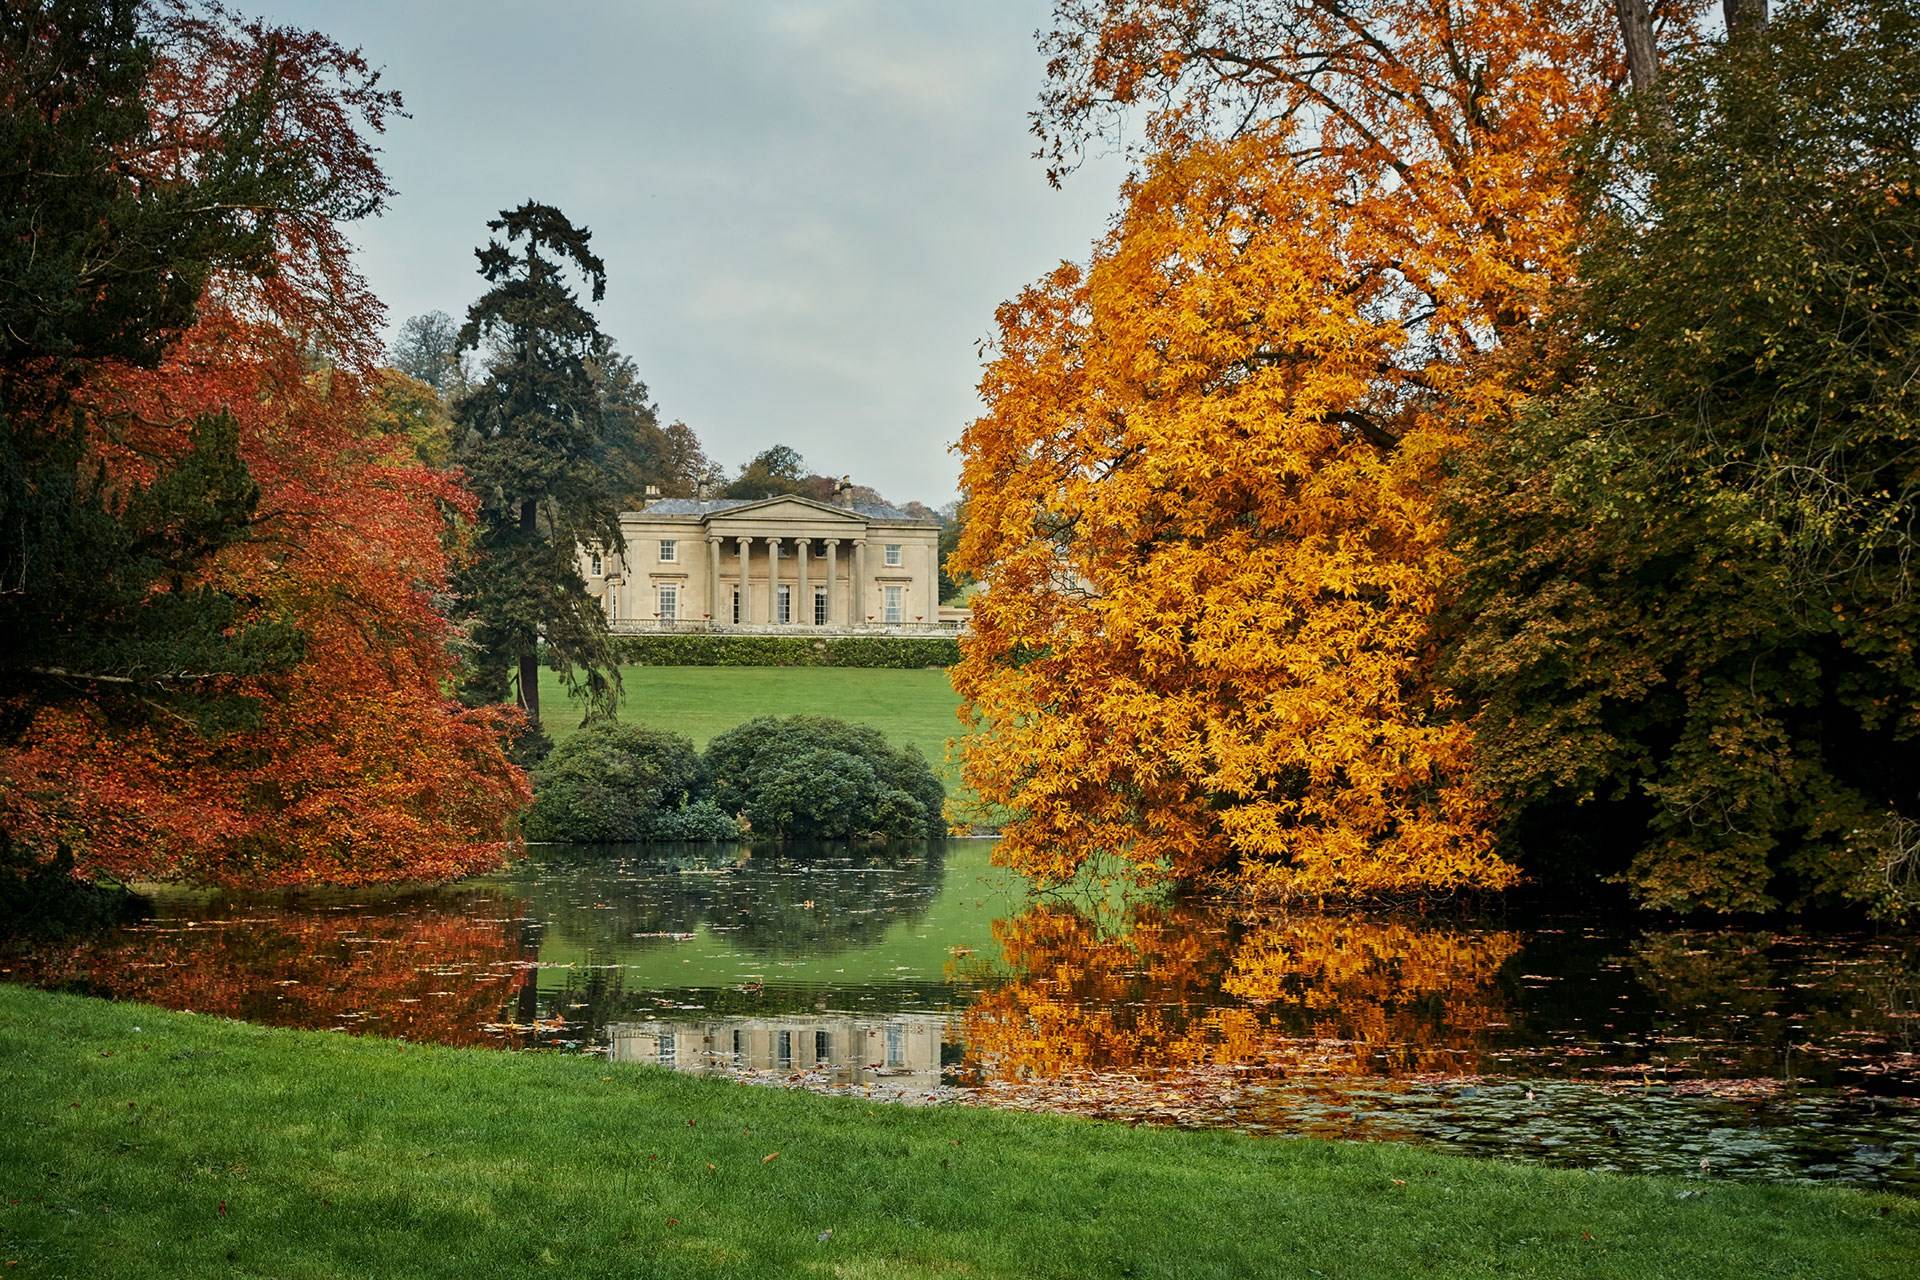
pixel 703 564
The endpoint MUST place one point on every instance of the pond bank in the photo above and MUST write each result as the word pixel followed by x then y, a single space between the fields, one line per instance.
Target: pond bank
pixel 149 1143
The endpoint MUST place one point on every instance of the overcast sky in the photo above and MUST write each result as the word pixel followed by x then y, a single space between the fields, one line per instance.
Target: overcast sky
pixel 808 211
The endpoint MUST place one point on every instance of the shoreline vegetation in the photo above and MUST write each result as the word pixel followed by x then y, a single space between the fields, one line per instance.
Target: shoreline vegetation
pixel 150 1143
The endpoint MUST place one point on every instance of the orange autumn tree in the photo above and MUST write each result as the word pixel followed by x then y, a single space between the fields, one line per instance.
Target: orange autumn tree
pixel 1203 494
pixel 343 758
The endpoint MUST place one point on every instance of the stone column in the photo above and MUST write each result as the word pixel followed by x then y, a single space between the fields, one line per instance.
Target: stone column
pixel 803 604
pixel 857 589
pixel 773 581
pixel 746 558
pixel 833 555
pixel 713 580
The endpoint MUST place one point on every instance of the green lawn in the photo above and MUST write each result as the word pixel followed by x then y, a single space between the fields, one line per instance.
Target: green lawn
pixel 910 707
pixel 142 1143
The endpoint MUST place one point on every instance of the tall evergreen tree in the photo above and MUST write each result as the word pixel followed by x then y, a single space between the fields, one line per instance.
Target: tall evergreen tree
pixel 539 451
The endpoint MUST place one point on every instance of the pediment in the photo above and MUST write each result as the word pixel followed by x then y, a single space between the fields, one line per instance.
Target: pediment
pixel 787 509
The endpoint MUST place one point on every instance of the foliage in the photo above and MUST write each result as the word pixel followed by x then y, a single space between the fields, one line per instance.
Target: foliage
pixel 1203 490
pixel 811 777
pixel 776 470
pixel 427 350
pixel 411 410
pixel 1689 619
pixel 896 652
pixel 697 822
pixel 244 563
pixel 539 450
pixel 953 523
pixel 615 782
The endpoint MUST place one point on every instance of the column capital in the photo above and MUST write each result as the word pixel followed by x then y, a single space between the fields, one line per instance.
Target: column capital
pixel 832 542
pixel 715 539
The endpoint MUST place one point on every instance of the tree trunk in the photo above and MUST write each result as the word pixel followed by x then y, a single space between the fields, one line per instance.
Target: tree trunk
pixel 530 660
pixel 1744 17
pixel 1636 30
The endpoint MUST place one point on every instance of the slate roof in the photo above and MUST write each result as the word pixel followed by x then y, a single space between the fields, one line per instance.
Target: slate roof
pixel 700 508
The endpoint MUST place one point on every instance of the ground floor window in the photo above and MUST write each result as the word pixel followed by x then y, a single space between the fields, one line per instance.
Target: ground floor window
pixel 783 1050
pixel 669 602
pixel 896 611
pixel 785 611
pixel 736 606
pixel 820 607
pixel 822 1046
pixel 669 1046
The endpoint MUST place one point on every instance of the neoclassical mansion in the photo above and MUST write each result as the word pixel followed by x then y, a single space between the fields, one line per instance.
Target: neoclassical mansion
pixel 770 564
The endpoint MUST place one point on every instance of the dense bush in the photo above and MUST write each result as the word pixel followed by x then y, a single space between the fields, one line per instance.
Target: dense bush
pixel 614 782
pixel 897 652
pixel 809 777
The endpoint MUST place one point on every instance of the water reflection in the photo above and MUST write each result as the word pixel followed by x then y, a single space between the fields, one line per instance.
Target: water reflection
pixel 898 1056
pixel 925 973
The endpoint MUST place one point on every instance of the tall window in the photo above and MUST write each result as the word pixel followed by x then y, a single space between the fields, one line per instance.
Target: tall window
pixel 896 1045
pixel 785 613
pixel 598 568
pixel 822 1046
pixel 819 606
pixel 736 606
pixel 896 612
pixel 669 1046
pixel 783 1050
pixel 893 555
pixel 669 603
pixel 669 551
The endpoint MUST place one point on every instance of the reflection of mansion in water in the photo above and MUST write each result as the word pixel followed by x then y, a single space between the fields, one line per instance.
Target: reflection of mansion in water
pixel 897 1053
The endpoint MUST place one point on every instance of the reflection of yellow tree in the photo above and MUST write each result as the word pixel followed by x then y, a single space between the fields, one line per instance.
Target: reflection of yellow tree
pixel 1182 987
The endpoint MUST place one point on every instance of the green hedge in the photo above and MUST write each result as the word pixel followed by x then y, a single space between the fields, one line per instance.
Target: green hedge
pixel 899 652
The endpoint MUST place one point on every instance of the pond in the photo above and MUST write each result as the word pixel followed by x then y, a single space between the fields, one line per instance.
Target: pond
pixel 933 977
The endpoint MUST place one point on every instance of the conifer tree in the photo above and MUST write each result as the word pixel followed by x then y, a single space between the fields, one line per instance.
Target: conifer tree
pixel 538 451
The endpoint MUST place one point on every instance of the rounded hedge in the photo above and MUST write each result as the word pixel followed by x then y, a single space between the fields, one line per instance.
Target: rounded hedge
pixel 616 782
pixel 816 778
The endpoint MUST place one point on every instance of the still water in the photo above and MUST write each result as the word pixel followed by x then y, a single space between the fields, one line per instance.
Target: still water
pixel 931 976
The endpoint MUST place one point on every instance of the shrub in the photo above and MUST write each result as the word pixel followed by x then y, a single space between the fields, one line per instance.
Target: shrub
pixel 698 821
pixel 613 782
pixel 810 777
pixel 895 652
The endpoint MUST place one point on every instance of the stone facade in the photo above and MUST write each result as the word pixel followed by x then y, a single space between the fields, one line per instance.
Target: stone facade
pixel 769 564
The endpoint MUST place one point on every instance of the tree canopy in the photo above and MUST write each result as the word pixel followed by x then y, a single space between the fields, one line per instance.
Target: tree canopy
pixel 221 658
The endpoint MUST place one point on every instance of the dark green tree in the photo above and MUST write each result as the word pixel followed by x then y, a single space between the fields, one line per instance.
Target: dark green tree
pixel 773 471
pixel 542 455
pixel 1691 611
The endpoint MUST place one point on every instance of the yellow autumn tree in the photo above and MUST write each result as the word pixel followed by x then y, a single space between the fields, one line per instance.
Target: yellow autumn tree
pixel 1203 495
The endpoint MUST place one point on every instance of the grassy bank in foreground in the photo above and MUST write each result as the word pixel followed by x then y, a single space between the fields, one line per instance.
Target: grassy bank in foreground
pixel 144 1143
pixel 913 708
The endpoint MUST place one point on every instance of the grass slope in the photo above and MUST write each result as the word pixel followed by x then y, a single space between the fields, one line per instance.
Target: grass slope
pixel 911 707
pixel 141 1143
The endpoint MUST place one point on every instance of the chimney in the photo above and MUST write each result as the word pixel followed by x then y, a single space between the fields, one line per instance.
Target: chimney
pixel 653 491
